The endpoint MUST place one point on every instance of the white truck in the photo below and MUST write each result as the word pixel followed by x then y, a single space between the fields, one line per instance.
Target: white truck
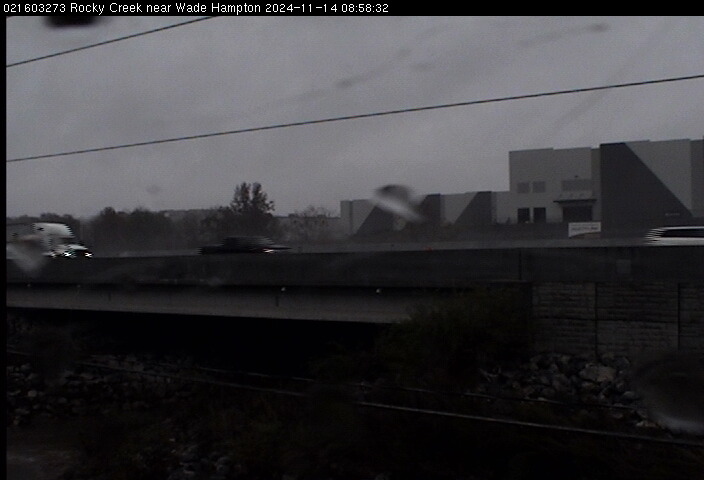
pixel 55 240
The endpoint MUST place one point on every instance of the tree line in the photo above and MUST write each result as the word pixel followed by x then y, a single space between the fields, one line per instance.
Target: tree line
pixel 250 212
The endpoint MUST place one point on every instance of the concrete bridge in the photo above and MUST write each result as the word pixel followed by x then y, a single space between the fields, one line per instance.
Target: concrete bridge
pixel 614 296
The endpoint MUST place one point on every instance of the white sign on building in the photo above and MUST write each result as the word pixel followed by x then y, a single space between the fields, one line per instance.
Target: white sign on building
pixel 583 229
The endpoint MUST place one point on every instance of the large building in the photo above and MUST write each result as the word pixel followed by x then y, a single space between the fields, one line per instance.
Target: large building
pixel 618 188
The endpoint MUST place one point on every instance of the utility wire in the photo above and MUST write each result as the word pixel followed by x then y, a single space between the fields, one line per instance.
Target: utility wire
pixel 365 115
pixel 542 426
pixel 114 40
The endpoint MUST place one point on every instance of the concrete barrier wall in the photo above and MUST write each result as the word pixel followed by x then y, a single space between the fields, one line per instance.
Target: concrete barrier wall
pixel 409 269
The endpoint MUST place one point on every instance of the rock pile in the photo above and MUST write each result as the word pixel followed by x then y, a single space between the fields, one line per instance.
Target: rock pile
pixel 576 380
pixel 81 392
pixel 569 379
pixel 92 393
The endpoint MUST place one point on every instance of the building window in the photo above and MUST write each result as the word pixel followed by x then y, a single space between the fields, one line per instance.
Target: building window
pixel 539 215
pixel 523 215
pixel 539 187
pixel 523 187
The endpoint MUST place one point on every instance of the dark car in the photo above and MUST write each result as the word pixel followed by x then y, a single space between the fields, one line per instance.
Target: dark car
pixel 244 245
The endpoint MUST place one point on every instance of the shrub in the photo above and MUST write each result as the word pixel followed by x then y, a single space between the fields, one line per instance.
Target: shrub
pixel 445 343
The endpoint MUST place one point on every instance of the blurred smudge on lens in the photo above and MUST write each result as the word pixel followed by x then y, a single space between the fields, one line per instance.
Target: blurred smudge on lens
pixel 397 199
pixel 28 256
pixel 672 387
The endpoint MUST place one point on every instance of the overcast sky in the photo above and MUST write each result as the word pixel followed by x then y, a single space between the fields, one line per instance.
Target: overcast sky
pixel 232 73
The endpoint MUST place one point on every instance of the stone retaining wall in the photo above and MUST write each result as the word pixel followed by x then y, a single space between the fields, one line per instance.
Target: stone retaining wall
pixel 619 317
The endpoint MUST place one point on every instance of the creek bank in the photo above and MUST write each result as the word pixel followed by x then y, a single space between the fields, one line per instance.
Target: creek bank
pixel 91 397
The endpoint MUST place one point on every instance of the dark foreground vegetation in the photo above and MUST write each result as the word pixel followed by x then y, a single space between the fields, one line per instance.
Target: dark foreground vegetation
pixel 214 432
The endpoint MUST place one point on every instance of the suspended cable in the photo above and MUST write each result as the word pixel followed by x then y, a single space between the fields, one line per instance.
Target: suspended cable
pixel 364 115
pixel 114 40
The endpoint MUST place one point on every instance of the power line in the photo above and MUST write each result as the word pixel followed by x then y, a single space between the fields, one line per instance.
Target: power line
pixel 541 426
pixel 364 115
pixel 114 40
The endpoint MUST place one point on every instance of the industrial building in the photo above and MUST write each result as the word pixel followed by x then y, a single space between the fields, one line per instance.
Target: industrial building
pixel 615 189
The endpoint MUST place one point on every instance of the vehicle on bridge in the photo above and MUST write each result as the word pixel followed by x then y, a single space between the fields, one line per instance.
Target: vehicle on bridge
pixel 54 240
pixel 684 235
pixel 255 244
